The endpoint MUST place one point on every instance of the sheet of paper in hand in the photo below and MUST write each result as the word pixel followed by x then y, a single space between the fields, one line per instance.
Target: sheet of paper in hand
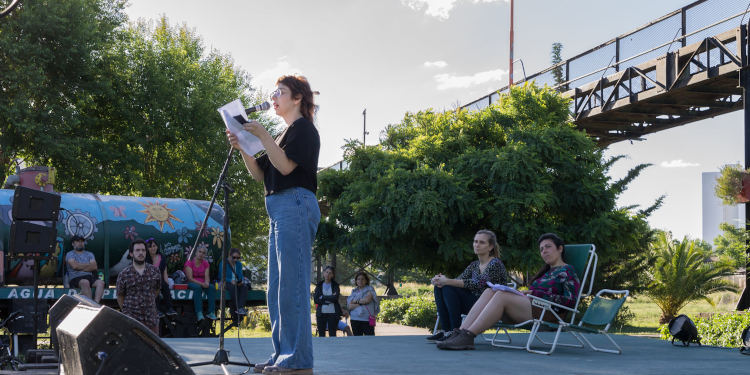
pixel 503 288
pixel 231 113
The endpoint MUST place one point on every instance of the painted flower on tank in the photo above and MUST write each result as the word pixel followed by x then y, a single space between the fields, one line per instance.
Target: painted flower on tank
pixel 117 211
pixel 183 235
pixel 160 213
pixel 130 232
pixel 205 232
pixel 218 235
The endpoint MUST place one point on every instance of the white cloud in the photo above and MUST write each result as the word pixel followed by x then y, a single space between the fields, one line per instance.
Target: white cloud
pixel 267 78
pixel 439 9
pixel 450 81
pixel 435 64
pixel 678 163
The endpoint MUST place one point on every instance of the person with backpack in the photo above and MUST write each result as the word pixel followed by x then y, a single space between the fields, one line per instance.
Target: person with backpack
pixel 363 306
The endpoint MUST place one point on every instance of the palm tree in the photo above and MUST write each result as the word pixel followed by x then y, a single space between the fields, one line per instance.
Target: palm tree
pixel 683 273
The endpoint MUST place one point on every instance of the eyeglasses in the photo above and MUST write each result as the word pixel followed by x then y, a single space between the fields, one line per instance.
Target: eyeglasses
pixel 236 258
pixel 276 93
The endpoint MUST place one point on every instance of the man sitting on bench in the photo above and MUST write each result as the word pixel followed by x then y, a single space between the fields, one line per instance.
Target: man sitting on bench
pixel 81 266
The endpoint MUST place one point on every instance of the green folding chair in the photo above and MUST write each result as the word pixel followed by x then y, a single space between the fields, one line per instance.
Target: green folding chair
pixel 583 258
pixel 596 320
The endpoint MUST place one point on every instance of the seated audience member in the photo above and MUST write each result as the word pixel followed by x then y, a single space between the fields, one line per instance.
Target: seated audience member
pixel 361 303
pixel 232 281
pixel 326 297
pixel 454 297
pixel 81 266
pixel 556 282
pixel 154 256
pixel 196 272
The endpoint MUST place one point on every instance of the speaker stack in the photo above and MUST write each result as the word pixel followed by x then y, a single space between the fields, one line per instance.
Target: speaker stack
pixel 30 209
pixel 99 340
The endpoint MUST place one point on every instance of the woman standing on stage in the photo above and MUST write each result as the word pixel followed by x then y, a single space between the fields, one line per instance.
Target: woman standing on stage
pixel 289 174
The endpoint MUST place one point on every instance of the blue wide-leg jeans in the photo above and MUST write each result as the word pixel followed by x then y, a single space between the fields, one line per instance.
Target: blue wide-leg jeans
pixel 294 216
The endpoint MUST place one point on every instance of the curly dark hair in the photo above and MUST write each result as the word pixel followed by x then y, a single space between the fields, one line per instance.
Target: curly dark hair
pixel 300 89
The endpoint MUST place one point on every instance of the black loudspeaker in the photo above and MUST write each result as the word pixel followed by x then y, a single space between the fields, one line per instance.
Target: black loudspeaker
pixel 26 324
pixel 682 328
pixel 27 238
pixel 745 341
pixel 61 309
pixel 103 341
pixel 30 204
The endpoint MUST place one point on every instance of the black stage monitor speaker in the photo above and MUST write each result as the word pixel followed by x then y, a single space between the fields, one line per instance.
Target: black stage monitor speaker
pixel 30 204
pixel 26 238
pixel 103 341
pixel 26 324
pixel 61 309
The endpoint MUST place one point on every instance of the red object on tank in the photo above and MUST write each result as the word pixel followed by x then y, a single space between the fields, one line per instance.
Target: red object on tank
pixel 38 178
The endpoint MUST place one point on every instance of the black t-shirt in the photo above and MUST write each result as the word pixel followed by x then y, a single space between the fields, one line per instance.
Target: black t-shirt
pixel 301 143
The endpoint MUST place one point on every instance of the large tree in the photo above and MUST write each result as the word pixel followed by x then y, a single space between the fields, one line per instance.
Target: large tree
pixel 49 53
pixel 120 108
pixel 518 167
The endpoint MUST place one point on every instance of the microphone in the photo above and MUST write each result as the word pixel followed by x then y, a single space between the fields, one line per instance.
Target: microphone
pixel 260 107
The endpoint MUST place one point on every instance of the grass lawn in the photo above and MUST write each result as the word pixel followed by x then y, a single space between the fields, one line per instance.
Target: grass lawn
pixel 645 322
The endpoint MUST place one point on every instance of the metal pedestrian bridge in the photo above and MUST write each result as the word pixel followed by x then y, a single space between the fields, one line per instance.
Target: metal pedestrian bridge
pixel 683 67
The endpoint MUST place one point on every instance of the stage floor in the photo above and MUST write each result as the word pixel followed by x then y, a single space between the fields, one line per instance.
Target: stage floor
pixel 414 355
pixel 395 355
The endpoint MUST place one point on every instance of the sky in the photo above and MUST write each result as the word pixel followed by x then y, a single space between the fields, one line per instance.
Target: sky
pixel 397 56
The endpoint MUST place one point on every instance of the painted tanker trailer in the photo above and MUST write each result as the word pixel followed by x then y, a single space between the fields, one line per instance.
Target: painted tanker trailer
pixel 109 223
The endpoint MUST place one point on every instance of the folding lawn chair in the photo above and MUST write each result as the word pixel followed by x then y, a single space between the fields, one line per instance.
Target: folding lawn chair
pixel 583 258
pixel 596 320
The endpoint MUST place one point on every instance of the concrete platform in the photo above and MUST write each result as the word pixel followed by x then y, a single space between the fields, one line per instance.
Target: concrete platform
pixel 414 355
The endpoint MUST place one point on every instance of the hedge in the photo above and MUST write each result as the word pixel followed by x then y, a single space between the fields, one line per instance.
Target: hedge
pixel 418 311
pixel 722 329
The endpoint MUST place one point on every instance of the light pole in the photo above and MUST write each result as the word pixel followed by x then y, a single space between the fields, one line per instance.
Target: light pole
pixel 364 126
pixel 510 60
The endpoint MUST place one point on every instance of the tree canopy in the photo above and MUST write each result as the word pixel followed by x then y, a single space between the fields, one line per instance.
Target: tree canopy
pixel 120 108
pixel 518 167
pixel 732 244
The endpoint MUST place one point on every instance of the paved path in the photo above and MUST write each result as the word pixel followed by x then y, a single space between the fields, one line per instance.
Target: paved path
pixel 386 329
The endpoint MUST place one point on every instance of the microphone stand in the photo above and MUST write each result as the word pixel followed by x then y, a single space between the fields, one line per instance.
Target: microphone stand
pixel 221 358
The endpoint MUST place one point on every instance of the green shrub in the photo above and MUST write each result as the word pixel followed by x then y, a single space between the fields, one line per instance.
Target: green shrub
pixel 719 329
pixel 393 310
pixel 412 311
pixel 257 319
pixel 421 313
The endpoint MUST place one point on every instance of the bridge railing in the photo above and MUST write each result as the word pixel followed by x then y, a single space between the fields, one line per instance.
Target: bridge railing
pixel 687 25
